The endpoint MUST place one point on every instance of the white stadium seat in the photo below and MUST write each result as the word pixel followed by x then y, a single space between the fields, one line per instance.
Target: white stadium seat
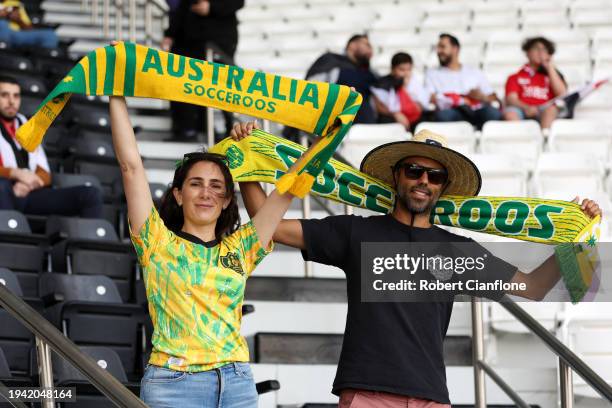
pixel 578 174
pixel 555 18
pixel 502 175
pixel 523 138
pixel 587 330
pixel 363 138
pixel 580 136
pixel 460 135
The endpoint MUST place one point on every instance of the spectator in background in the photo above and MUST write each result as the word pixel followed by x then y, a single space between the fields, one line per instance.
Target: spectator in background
pixel 400 97
pixel 193 23
pixel 536 83
pixel 25 178
pixel 459 92
pixel 16 28
pixel 351 69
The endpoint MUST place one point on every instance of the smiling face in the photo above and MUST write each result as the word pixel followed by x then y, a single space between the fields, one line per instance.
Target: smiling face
pixel 420 195
pixel 447 52
pixel 203 194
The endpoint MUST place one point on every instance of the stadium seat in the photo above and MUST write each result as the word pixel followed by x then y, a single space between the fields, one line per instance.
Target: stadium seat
pixel 580 136
pixel 540 19
pixel 92 247
pixel 17 63
pixel 592 19
pixel 433 24
pixel 575 173
pixel 587 330
pixel 502 175
pixel 15 340
pixel 21 251
pixel 363 138
pixel 61 180
pixel 91 313
pixel 96 157
pixel 493 20
pixel 65 375
pixel 522 138
pixel 460 135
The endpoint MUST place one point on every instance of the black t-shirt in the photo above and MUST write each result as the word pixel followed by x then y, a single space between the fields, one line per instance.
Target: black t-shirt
pixel 394 347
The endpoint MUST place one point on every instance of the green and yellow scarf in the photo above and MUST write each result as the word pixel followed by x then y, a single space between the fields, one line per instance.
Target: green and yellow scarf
pixel 264 157
pixel 129 69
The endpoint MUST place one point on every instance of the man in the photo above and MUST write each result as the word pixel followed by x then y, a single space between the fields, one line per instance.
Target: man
pixel 25 178
pixel 400 97
pixel 459 92
pixel 536 83
pixel 351 69
pixel 16 28
pixel 392 352
pixel 193 23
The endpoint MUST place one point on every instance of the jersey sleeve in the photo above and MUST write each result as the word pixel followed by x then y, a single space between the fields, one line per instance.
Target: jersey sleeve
pixel 512 85
pixel 250 248
pixel 148 238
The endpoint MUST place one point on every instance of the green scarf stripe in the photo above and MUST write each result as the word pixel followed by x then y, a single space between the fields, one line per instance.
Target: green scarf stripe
pixel 332 96
pixel 130 70
pixel 109 79
pixel 93 73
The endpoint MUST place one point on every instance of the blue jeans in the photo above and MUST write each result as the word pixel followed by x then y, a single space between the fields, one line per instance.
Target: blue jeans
pixel 476 117
pixel 41 37
pixel 229 386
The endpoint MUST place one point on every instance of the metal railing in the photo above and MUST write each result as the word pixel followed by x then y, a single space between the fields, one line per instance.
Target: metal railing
pixel 568 360
pixel 152 10
pixel 50 338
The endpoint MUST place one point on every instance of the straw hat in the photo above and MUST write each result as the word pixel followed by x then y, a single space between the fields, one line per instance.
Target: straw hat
pixel 463 175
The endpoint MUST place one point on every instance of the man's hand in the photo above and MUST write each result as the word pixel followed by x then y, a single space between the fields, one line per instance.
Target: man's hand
pixel 166 44
pixel 201 8
pixel 589 207
pixel 242 130
pixel 27 177
pixel 21 189
pixel 477 95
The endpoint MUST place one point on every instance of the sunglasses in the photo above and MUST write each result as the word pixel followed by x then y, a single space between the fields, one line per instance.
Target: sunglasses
pixel 414 172
pixel 200 156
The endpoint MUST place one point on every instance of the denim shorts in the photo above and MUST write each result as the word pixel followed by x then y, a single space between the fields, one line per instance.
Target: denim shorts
pixel 229 386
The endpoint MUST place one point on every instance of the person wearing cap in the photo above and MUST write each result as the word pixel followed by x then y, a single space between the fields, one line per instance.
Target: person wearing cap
pixel 392 352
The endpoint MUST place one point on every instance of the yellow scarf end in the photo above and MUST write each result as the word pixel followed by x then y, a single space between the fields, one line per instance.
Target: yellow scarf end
pixel 28 139
pixel 298 185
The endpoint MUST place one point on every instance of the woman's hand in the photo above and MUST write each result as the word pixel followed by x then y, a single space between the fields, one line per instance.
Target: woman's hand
pixel 240 130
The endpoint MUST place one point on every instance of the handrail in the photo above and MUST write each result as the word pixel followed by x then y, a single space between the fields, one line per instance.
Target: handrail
pixel 558 348
pixel 503 385
pixel 568 360
pixel 63 346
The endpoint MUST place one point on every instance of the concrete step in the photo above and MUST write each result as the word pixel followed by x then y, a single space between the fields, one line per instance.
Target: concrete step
pixel 294 317
pixel 296 290
pixel 95 33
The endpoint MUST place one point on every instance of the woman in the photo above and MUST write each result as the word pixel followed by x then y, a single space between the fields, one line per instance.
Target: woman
pixel 196 258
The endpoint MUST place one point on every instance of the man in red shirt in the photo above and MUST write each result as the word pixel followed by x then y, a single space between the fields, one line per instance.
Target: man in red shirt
pixel 536 83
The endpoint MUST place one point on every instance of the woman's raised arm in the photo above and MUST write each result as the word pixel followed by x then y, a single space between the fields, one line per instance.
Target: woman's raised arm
pixel 135 182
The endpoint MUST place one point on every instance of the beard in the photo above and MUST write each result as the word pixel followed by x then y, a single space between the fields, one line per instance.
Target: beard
pixel 444 60
pixel 6 116
pixel 362 61
pixel 413 205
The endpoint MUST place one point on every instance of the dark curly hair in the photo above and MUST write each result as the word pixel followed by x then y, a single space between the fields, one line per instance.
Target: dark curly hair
pixel 172 214
pixel 529 43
